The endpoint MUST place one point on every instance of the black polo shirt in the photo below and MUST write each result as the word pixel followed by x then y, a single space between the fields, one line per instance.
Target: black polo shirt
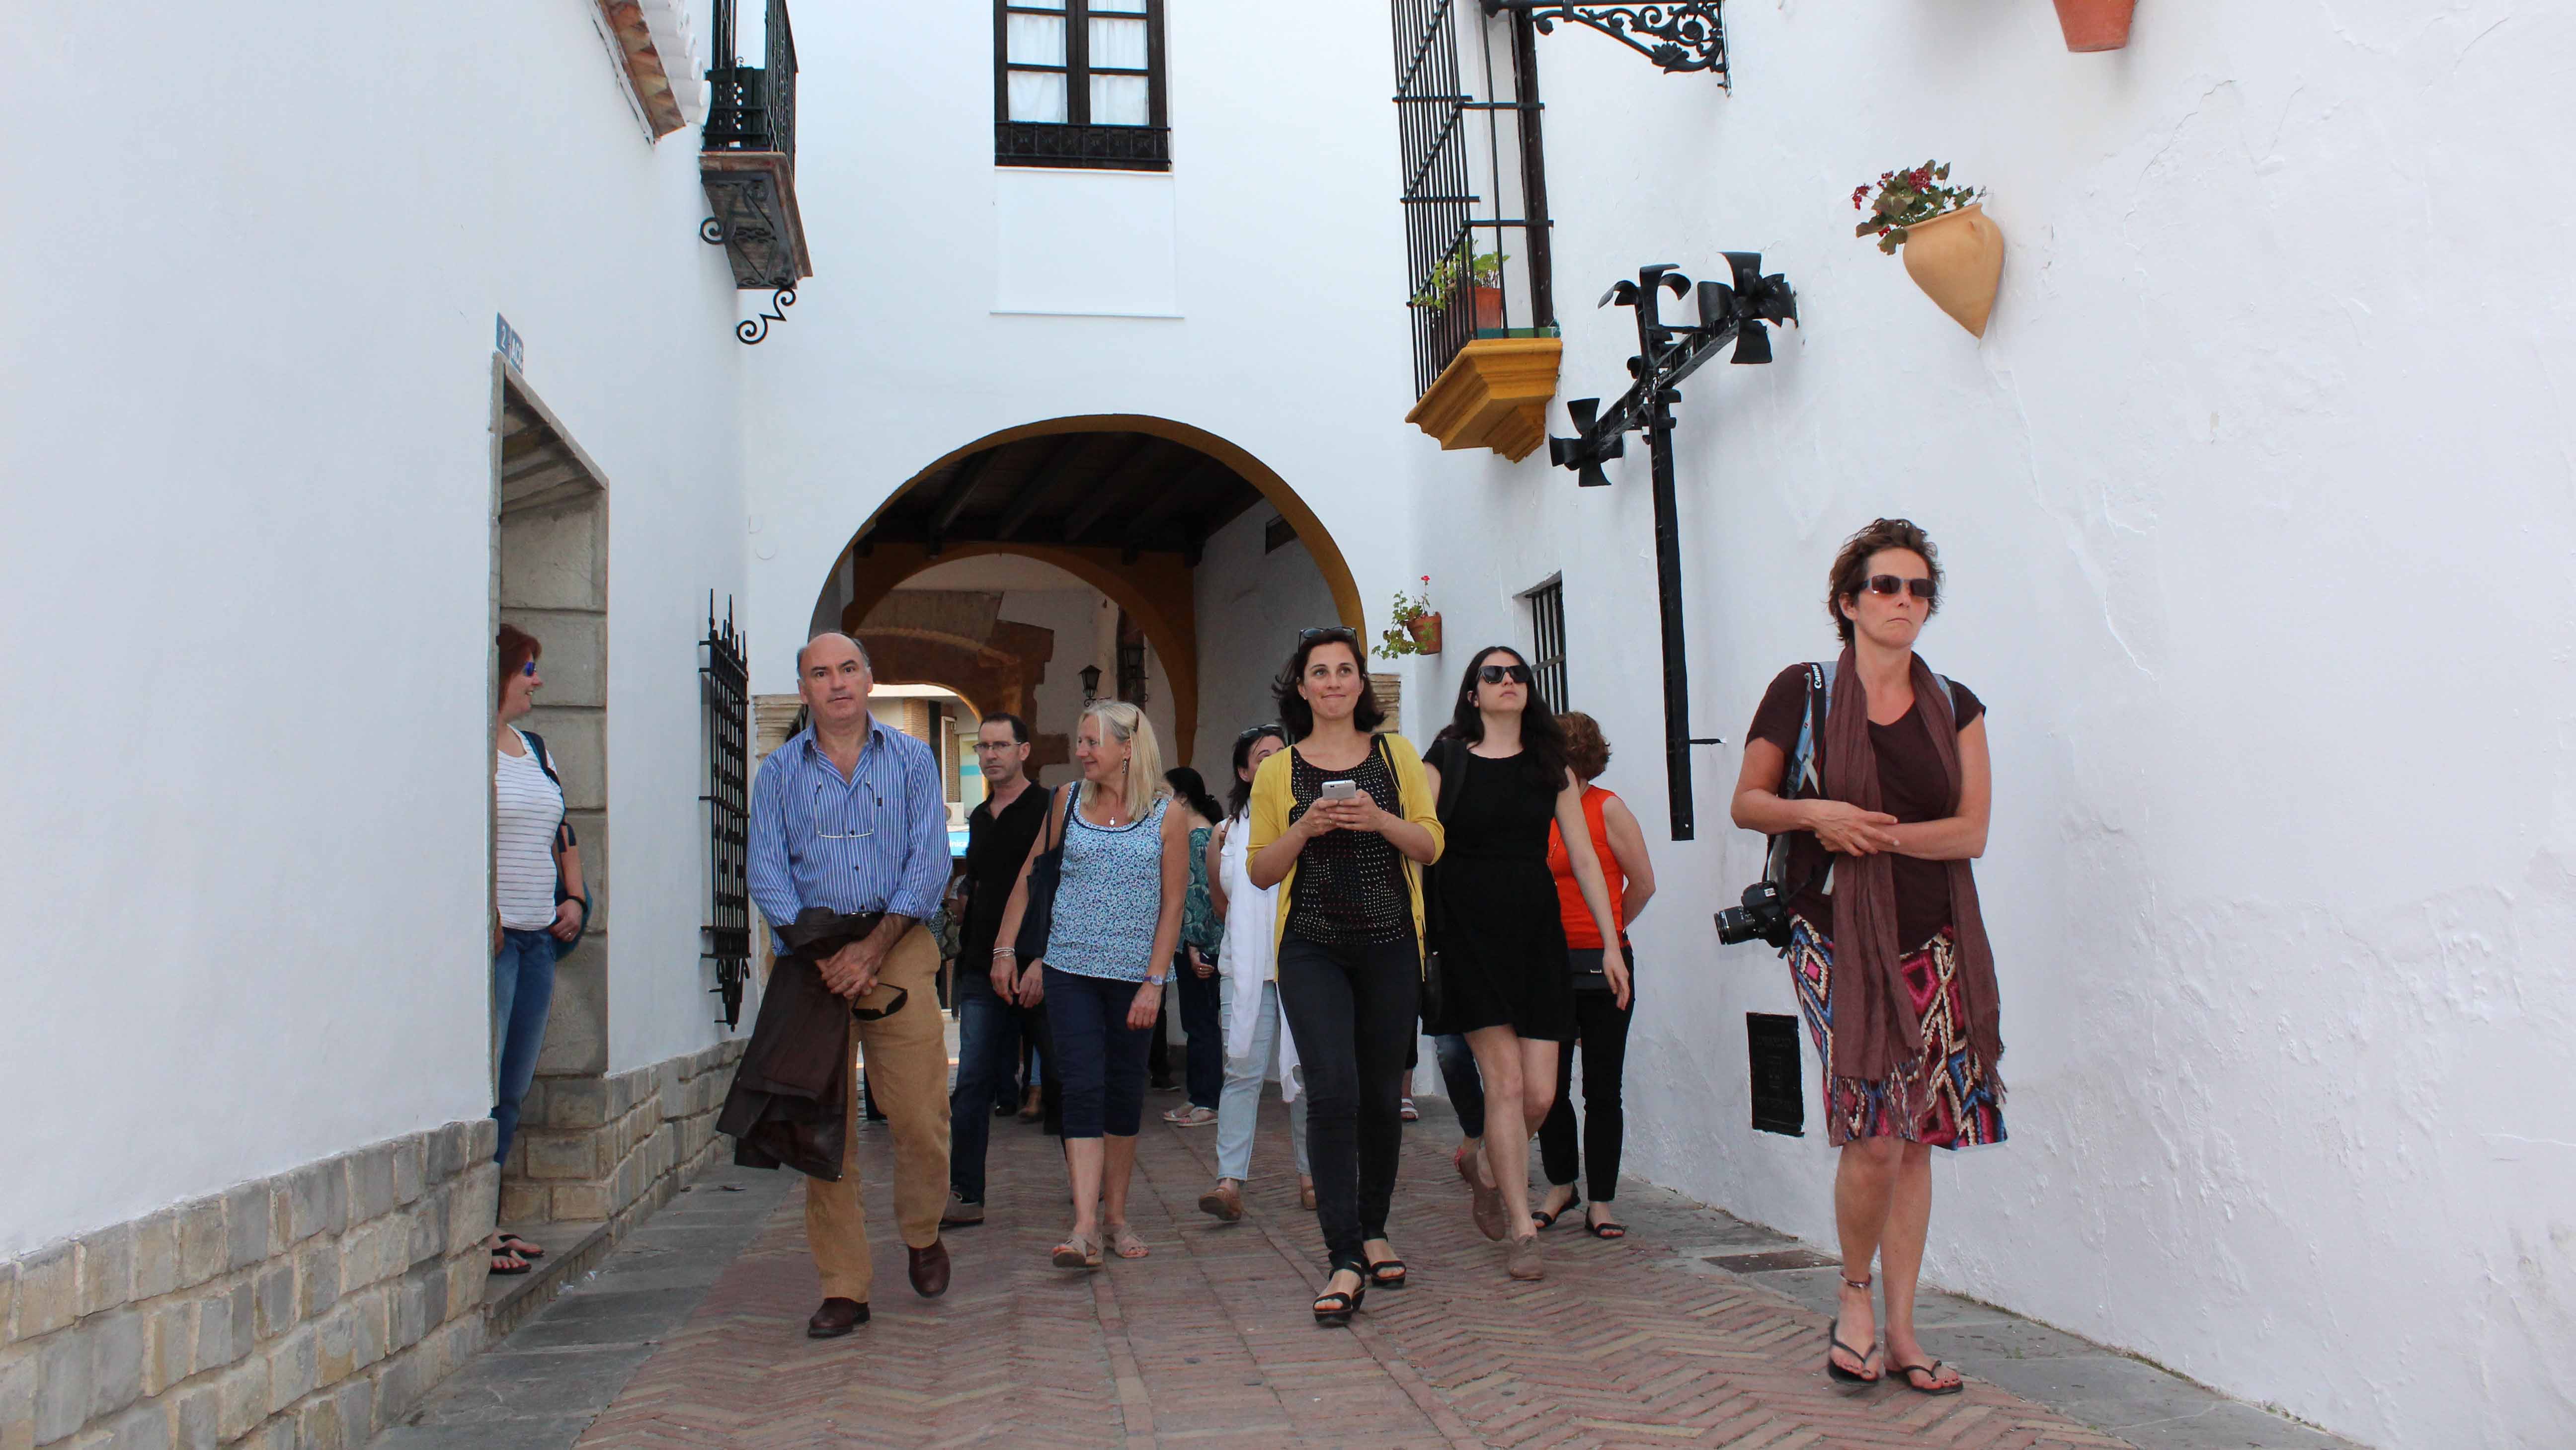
pixel 996 848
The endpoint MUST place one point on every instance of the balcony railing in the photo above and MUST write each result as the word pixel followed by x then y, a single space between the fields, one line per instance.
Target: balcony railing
pixel 748 165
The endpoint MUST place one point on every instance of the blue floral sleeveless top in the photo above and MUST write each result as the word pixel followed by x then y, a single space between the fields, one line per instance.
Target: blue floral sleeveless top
pixel 1110 898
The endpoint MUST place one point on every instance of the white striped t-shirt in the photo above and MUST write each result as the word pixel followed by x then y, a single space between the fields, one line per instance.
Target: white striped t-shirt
pixel 530 807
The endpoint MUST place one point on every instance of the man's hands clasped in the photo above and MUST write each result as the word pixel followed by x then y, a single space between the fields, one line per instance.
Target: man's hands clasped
pixel 851 972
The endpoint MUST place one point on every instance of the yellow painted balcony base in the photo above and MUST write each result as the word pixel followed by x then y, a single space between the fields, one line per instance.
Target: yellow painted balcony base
pixel 1493 394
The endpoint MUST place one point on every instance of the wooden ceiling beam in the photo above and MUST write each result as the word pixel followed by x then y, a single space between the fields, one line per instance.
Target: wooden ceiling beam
pixel 1117 482
pixel 1033 490
pixel 1181 490
pixel 944 512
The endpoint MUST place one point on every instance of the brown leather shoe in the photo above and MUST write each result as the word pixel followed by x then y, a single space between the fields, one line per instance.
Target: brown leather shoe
pixel 836 1318
pixel 1224 1201
pixel 930 1269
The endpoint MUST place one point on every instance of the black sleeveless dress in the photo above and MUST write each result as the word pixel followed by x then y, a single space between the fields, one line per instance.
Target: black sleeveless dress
pixel 1501 939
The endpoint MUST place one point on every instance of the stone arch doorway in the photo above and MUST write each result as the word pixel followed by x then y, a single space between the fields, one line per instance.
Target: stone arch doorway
pixel 1127 504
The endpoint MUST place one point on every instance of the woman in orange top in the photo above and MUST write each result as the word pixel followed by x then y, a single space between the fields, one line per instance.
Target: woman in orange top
pixel 1601 1024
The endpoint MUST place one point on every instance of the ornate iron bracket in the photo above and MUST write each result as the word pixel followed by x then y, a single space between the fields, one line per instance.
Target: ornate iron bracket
pixel 1689 35
pixel 751 330
pixel 1737 311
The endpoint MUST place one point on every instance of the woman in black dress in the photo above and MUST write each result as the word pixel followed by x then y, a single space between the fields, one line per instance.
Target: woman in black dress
pixel 1503 968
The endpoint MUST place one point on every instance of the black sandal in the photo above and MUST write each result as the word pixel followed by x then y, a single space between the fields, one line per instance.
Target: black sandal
pixel 1834 1341
pixel 524 1249
pixel 1546 1220
pixel 1607 1229
pixel 1379 1276
pixel 520 1266
pixel 1934 1371
pixel 1337 1306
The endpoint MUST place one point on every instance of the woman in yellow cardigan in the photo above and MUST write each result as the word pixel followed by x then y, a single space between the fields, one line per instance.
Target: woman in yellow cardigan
pixel 1346 819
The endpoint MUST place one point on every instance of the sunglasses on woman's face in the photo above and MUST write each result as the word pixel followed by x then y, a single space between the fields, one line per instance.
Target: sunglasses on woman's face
pixel 1496 674
pixel 1887 585
pixel 529 669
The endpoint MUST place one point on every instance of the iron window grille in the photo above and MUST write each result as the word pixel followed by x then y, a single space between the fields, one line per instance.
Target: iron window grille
pixel 725 703
pixel 1547 635
pixel 1079 83
pixel 753 108
pixel 1771 1047
pixel 1448 223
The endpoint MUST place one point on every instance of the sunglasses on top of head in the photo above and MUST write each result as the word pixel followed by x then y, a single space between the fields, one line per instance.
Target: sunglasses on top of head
pixel 1496 674
pixel 1888 585
pixel 1341 632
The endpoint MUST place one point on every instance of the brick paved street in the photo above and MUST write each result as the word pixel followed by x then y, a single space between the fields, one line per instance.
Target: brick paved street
pixel 1209 1340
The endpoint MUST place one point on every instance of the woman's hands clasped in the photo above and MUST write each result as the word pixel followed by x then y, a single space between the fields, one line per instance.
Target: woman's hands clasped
pixel 1359 813
pixel 1847 830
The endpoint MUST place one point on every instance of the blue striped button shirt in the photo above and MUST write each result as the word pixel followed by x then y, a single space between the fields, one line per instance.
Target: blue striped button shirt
pixel 876 840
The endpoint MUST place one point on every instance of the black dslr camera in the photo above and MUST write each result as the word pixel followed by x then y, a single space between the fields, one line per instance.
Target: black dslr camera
pixel 1764 916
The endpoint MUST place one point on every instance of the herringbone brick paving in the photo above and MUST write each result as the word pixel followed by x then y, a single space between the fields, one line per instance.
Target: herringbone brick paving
pixel 1209 1342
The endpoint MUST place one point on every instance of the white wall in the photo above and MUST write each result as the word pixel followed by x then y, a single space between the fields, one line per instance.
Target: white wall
pixel 248 545
pixel 2247 498
pixel 1251 603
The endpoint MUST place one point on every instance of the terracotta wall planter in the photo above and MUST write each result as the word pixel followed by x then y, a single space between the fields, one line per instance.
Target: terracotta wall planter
pixel 2095 24
pixel 1425 629
pixel 1489 308
pixel 1958 261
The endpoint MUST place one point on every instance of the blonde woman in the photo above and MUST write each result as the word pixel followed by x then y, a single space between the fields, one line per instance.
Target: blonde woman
pixel 1115 928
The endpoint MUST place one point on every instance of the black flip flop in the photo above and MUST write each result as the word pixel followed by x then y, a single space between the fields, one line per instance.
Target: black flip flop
pixel 524 1265
pixel 1933 1371
pixel 517 1245
pixel 1836 1372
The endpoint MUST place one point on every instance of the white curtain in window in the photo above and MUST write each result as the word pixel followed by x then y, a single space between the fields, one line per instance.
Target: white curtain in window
pixel 1120 101
pixel 1036 40
pixel 1117 7
pixel 1118 45
pixel 1038 95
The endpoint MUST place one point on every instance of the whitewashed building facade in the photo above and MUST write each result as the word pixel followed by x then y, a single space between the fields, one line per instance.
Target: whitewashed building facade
pixel 343 334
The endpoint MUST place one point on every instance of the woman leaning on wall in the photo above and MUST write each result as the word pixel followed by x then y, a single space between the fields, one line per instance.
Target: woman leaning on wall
pixel 1886 945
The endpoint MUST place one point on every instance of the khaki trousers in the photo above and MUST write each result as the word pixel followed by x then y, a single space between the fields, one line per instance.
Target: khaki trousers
pixel 907 1059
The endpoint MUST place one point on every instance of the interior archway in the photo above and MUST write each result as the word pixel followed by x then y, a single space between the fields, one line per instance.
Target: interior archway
pixel 1120 506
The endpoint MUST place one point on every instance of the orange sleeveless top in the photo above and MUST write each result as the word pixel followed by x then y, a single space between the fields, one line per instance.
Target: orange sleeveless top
pixel 1581 933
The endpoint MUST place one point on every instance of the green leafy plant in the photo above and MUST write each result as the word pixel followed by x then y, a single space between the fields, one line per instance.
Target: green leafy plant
pixel 1398 642
pixel 1907 199
pixel 1484 270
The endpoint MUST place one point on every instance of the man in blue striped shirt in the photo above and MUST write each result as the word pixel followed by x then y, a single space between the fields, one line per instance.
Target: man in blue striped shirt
pixel 849 815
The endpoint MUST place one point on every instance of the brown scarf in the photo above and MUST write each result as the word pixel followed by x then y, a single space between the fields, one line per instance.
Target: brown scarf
pixel 1875 1027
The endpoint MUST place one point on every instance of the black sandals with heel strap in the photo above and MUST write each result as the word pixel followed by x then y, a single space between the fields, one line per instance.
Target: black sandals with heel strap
pixel 1387 1274
pixel 1336 1307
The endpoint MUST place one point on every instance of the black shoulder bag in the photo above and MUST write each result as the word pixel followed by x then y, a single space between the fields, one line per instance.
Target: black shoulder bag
pixel 1037 919
pixel 1434 991
pixel 564 838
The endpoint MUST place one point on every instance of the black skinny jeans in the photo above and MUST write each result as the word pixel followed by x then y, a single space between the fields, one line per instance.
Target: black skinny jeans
pixel 1352 1010
pixel 1601 1029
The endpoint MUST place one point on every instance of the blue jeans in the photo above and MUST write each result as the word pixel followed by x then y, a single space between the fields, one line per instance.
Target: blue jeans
pixel 988 1056
pixel 1238 1115
pixel 1097 1059
pixel 523 991
pixel 1466 1085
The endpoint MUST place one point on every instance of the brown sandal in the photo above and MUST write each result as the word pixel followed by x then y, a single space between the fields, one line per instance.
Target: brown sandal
pixel 1078 1251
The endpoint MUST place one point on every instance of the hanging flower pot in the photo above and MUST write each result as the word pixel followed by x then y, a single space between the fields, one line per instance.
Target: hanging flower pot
pixel 2095 24
pixel 1425 629
pixel 1953 251
pixel 1958 260
pixel 1419 625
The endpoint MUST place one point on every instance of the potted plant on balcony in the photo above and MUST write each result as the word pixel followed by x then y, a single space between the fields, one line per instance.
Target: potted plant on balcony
pixel 2095 24
pixel 1418 626
pixel 1484 274
pixel 1953 251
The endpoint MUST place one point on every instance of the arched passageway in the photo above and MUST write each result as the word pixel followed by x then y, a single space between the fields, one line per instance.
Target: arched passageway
pixel 1164 523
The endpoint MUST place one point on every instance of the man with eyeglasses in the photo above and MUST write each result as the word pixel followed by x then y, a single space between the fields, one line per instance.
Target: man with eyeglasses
pixel 849 816
pixel 998 836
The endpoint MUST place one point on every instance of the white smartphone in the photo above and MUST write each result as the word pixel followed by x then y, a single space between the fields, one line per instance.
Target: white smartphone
pixel 1338 791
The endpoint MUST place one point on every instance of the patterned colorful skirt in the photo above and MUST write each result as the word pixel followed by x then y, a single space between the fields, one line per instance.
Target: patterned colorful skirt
pixel 1945 1098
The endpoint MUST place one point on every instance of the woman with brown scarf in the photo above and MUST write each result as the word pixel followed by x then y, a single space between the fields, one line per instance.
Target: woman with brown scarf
pixel 1887 948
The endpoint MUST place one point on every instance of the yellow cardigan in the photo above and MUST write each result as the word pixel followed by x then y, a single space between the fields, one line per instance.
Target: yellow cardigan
pixel 1272 801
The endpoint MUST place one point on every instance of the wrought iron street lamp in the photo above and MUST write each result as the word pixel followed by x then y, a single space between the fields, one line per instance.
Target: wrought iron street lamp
pixel 1680 37
pixel 1735 311
pixel 1090 683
